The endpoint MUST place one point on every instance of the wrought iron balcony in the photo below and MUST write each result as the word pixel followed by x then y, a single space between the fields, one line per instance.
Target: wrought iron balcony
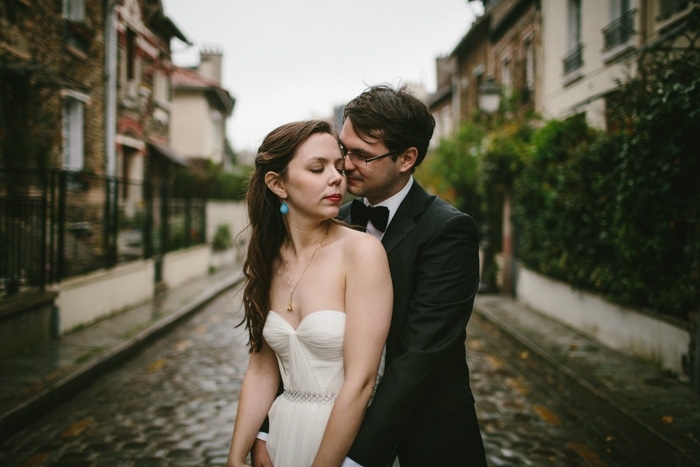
pixel 620 31
pixel 573 60
pixel 668 8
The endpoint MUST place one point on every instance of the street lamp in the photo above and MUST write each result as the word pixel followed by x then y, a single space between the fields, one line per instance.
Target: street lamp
pixel 489 95
pixel 489 102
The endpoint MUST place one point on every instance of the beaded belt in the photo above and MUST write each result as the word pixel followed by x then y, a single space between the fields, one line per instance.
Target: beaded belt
pixel 304 396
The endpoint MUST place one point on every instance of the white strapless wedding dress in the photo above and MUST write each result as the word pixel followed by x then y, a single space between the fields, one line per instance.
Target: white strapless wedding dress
pixel 310 359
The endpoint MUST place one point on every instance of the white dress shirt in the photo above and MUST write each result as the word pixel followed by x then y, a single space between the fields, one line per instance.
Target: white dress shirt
pixel 392 204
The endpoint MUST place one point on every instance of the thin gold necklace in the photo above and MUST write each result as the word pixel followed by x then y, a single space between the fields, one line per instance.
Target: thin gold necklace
pixel 290 307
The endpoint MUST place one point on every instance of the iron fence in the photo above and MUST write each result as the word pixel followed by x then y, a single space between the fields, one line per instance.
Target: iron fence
pixel 59 224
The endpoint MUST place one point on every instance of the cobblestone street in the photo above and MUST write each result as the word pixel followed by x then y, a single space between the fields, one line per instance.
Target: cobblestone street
pixel 530 416
pixel 174 404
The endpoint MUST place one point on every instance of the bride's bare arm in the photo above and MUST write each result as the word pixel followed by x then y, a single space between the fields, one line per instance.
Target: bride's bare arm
pixel 368 305
pixel 258 391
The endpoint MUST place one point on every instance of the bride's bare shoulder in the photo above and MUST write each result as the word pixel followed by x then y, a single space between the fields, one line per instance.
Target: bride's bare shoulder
pixel 358 243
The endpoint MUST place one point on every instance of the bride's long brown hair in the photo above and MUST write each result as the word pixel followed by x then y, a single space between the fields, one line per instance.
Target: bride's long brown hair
pixel 268 230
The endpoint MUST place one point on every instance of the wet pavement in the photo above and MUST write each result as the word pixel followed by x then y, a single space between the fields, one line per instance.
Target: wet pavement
pixel 623 399
pixel 172 404
pixel 546 395
pixel 529 416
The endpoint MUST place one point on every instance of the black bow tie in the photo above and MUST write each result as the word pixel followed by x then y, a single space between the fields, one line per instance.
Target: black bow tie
pixel 361 213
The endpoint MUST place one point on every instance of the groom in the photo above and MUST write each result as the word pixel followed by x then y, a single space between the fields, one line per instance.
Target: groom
pixel 423 409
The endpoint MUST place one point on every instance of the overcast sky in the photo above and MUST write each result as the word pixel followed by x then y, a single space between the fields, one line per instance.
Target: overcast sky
pixel 288 60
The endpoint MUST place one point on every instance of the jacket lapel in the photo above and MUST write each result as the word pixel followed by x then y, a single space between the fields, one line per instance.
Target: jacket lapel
pixel 404 221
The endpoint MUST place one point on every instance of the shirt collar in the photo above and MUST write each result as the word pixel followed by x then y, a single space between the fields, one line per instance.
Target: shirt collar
pixel 392 204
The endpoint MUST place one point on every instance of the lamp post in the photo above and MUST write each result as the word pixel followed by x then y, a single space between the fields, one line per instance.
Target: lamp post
pixel 489 95
pixel 489 102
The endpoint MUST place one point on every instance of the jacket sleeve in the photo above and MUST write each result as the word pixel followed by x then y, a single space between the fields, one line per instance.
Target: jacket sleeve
pixel 445 280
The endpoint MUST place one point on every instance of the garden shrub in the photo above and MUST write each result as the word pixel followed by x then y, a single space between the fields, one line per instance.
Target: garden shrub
pixel 619 213
pixel 223 240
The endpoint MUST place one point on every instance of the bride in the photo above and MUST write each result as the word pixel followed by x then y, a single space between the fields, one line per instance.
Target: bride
pixel 317 299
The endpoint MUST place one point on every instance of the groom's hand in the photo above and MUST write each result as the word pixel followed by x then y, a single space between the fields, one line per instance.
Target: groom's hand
pixel 259 455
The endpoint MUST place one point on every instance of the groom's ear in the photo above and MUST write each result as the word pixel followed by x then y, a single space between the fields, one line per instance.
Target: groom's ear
pixel 408 159
pixel 275 183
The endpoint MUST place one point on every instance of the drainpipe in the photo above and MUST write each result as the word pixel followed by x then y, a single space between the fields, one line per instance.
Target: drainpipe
pixel 110 235
pixel 110 87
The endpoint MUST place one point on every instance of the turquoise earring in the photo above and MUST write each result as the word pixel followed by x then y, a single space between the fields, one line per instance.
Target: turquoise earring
pixel 284 209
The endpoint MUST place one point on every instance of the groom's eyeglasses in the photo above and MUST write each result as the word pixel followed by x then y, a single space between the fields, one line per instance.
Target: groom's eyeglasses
pixel 356 159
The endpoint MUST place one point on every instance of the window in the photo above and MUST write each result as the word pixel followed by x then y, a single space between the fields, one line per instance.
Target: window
pixel 574 57
pixel 130 54
pixel 131 70
pixel 618 8
pixel 528 72
pixel 506 77
pixel 529 65
pixel 73 142
pixel 621 27
pixel 217 134
pixel 77 35
pixel 74 10
pixel 574 31
pixel 161 87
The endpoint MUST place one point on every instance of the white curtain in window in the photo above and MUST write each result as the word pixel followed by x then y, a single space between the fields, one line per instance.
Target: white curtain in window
pixel 529 65
pixel 74 10
pixel 73 138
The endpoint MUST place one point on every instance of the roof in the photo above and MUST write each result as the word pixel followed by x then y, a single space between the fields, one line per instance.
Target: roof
pixel 168 153
pixel 161 23
pixel 187 78
pixel 439 96
pixel 172 30
pixel 477 33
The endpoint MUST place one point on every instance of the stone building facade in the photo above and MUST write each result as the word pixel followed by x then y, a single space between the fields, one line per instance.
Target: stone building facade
pixel 52 85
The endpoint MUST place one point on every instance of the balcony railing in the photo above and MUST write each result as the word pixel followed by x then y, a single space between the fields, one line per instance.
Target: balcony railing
pixel 668 8
pixel 620 31
pixel 573 60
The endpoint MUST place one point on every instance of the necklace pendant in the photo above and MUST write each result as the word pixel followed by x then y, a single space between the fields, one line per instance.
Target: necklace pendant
pixel 290 307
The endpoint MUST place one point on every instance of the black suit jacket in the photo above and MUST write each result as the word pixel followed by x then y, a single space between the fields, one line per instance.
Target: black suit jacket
pixel 434 261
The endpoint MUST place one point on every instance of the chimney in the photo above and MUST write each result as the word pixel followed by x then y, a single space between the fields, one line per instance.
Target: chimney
pixel 210 63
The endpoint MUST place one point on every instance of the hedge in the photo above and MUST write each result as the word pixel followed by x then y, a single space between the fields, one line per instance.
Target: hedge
pixel 618 213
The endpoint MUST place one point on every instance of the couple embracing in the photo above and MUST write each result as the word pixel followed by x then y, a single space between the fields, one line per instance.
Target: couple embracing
pixel 357 340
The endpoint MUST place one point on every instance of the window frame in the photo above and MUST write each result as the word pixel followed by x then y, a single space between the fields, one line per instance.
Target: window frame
pixel 73 130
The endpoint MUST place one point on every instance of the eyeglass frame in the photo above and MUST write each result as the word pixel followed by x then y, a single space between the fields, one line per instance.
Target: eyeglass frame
pixel 353 157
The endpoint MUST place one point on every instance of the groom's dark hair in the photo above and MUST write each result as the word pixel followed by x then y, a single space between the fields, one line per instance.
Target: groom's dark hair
pixel 395 116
